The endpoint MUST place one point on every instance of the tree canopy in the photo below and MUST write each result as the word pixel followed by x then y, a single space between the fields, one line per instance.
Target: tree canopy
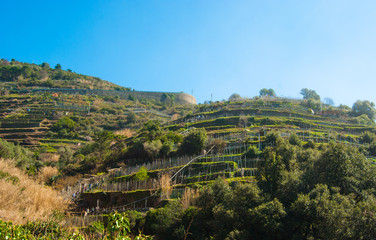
pixel 309 94
pixel 234 97
pixel 267 92
pixel 364 107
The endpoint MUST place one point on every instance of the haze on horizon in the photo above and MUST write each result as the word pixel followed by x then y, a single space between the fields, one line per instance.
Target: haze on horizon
pixel 204 48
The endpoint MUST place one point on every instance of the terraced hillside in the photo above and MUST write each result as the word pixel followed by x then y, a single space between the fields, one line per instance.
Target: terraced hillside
pixel 35 97
pixel 256 118
pixel 29 118
pixel 116 149
pixel 239 131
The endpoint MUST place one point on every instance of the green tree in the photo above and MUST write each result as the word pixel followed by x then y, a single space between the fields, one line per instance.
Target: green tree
pixel 45 65
pixel 235 97
pixel 269 171
pixel 364 107
pixel 167 148
pixel 66 156
pixel 194 142
pixel 322 215
pixel 309 94
pixel 267 220
pixel 58 67
pixel 295 140
pixel 131 117
pixel 151 131
pixel 153 148
pixel 340 166
pixel 367 137
pixel 267 92
pixel 64 123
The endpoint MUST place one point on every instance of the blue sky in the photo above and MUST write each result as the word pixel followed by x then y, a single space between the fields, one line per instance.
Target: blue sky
pixel 203 46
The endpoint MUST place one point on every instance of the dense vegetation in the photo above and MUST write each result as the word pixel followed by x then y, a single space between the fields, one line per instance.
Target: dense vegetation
pixel 302 192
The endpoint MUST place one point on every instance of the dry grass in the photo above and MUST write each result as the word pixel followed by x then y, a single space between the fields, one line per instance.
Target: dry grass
pixel 175 117
pixel 49 157
pixel 22 199
pixel 47 173
pixel 125 132
pixel 165 185
pixel 189 196
pixel 67 181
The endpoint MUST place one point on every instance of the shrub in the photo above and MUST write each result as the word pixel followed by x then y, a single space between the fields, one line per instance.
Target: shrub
pixel 142 174
pixel 194 142
pixel 253 152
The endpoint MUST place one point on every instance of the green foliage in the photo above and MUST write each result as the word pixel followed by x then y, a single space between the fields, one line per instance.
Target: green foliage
pixel 272 139
pixel 269 171
pixel 118 226
pixel 66 157
pixel 168 98
pixel 253 152
pixel 363 120
pixel 9 178
pixel 58 67
pixel 132 117
pixel 65 127
pixel 340 166
pixel 22 157
pixel 309 94
pixel 311 103
pixel 295 140
pixel 269 218
pixel 364 107
pixel 267 92
pixel 194 142
pixel 167 148
pixel 142 174
pixel 310 144
pixel 367 137
pixel 322 214
pixel 151 130
pixel 153 148
pixel 96 230
pixel 36 230
pixel 161 220
pixel 235 97
pixel 25 75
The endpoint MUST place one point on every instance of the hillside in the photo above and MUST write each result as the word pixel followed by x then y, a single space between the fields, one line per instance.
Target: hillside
pixel 38 101
pixel 20 75
pixel 237 130
pixel 238 164
pixel 189 168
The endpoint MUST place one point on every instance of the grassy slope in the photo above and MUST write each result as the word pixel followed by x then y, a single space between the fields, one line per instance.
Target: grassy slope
pixel 23 199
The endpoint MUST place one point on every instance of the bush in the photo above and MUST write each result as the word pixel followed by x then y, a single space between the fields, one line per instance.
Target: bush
pixel 142 174
pixel 295 140
pixel 23 157
pixel 194 142
pixel 253 152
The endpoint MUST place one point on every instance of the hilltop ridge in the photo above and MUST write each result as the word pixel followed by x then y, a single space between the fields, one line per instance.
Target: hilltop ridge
pixel 20 77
